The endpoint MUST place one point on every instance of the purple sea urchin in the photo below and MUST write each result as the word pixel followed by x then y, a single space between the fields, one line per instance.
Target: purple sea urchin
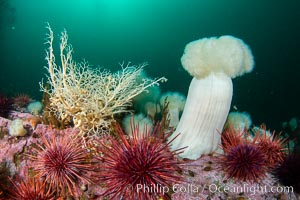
pixel 143 160
pixel 63 163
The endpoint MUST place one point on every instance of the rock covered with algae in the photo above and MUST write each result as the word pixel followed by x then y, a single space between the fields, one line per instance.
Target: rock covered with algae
pixel 13 149
pixel 206 180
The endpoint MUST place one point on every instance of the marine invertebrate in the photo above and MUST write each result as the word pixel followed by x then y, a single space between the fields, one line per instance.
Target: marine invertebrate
pixel 4 174
pixel 239 121
pixel 152 109
pixel 91 98
pixel 248 158
pixel 63 163
pixel 35 107
pixel 5 105
pixel 21 100
pixel 230 138
pixel 16 128
pixel 151 95
pixel 137 119
pixel 34 121
pixel 212 62
pixel 245 162
pixel 287 173
pixel 30 188
pixel 49 117
pixel 131 165
pixel 272 146
pixel 175 106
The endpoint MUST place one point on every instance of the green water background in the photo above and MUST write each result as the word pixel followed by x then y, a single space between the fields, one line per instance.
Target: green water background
pixel 106 32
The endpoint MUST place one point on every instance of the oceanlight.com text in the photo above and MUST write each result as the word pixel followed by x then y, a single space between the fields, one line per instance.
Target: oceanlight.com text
pixel 212 188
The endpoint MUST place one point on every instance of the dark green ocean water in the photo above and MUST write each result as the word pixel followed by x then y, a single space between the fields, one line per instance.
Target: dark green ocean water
pixel 106 32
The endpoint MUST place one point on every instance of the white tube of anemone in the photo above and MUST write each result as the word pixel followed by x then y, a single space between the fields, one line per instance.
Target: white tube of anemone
pixel 204 114
pixel 212 62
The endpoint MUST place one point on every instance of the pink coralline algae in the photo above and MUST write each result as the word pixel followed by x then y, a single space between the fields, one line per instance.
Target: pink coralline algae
pixel 12 148
pixel 205 179
pixel 15 151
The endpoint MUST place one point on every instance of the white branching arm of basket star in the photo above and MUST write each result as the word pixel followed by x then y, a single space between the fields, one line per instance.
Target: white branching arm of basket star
pixel 90 97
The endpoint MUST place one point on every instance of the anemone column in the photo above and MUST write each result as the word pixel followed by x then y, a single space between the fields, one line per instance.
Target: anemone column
pixel 212 62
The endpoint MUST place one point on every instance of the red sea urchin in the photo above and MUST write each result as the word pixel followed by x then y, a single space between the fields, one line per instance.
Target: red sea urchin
pixel 287 173
pixel 140 167
pixel 29 189
pixel 248 158
pixel 245 162
pixel 21 100
pixel 63 163
pixel 272 146
pixel 231 138
pixel 5 105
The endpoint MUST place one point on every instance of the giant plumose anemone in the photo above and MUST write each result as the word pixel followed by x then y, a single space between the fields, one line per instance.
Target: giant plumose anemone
pixel 212 62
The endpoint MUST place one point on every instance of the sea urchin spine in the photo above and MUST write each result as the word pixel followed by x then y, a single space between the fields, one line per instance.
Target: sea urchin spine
pixel 143 161
pixel 21 100
pixel 29 189
pixel 272 146
pixel 63 163
pixel 231 138
pixel 287 173
pixel 248 158
pixel 245 162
